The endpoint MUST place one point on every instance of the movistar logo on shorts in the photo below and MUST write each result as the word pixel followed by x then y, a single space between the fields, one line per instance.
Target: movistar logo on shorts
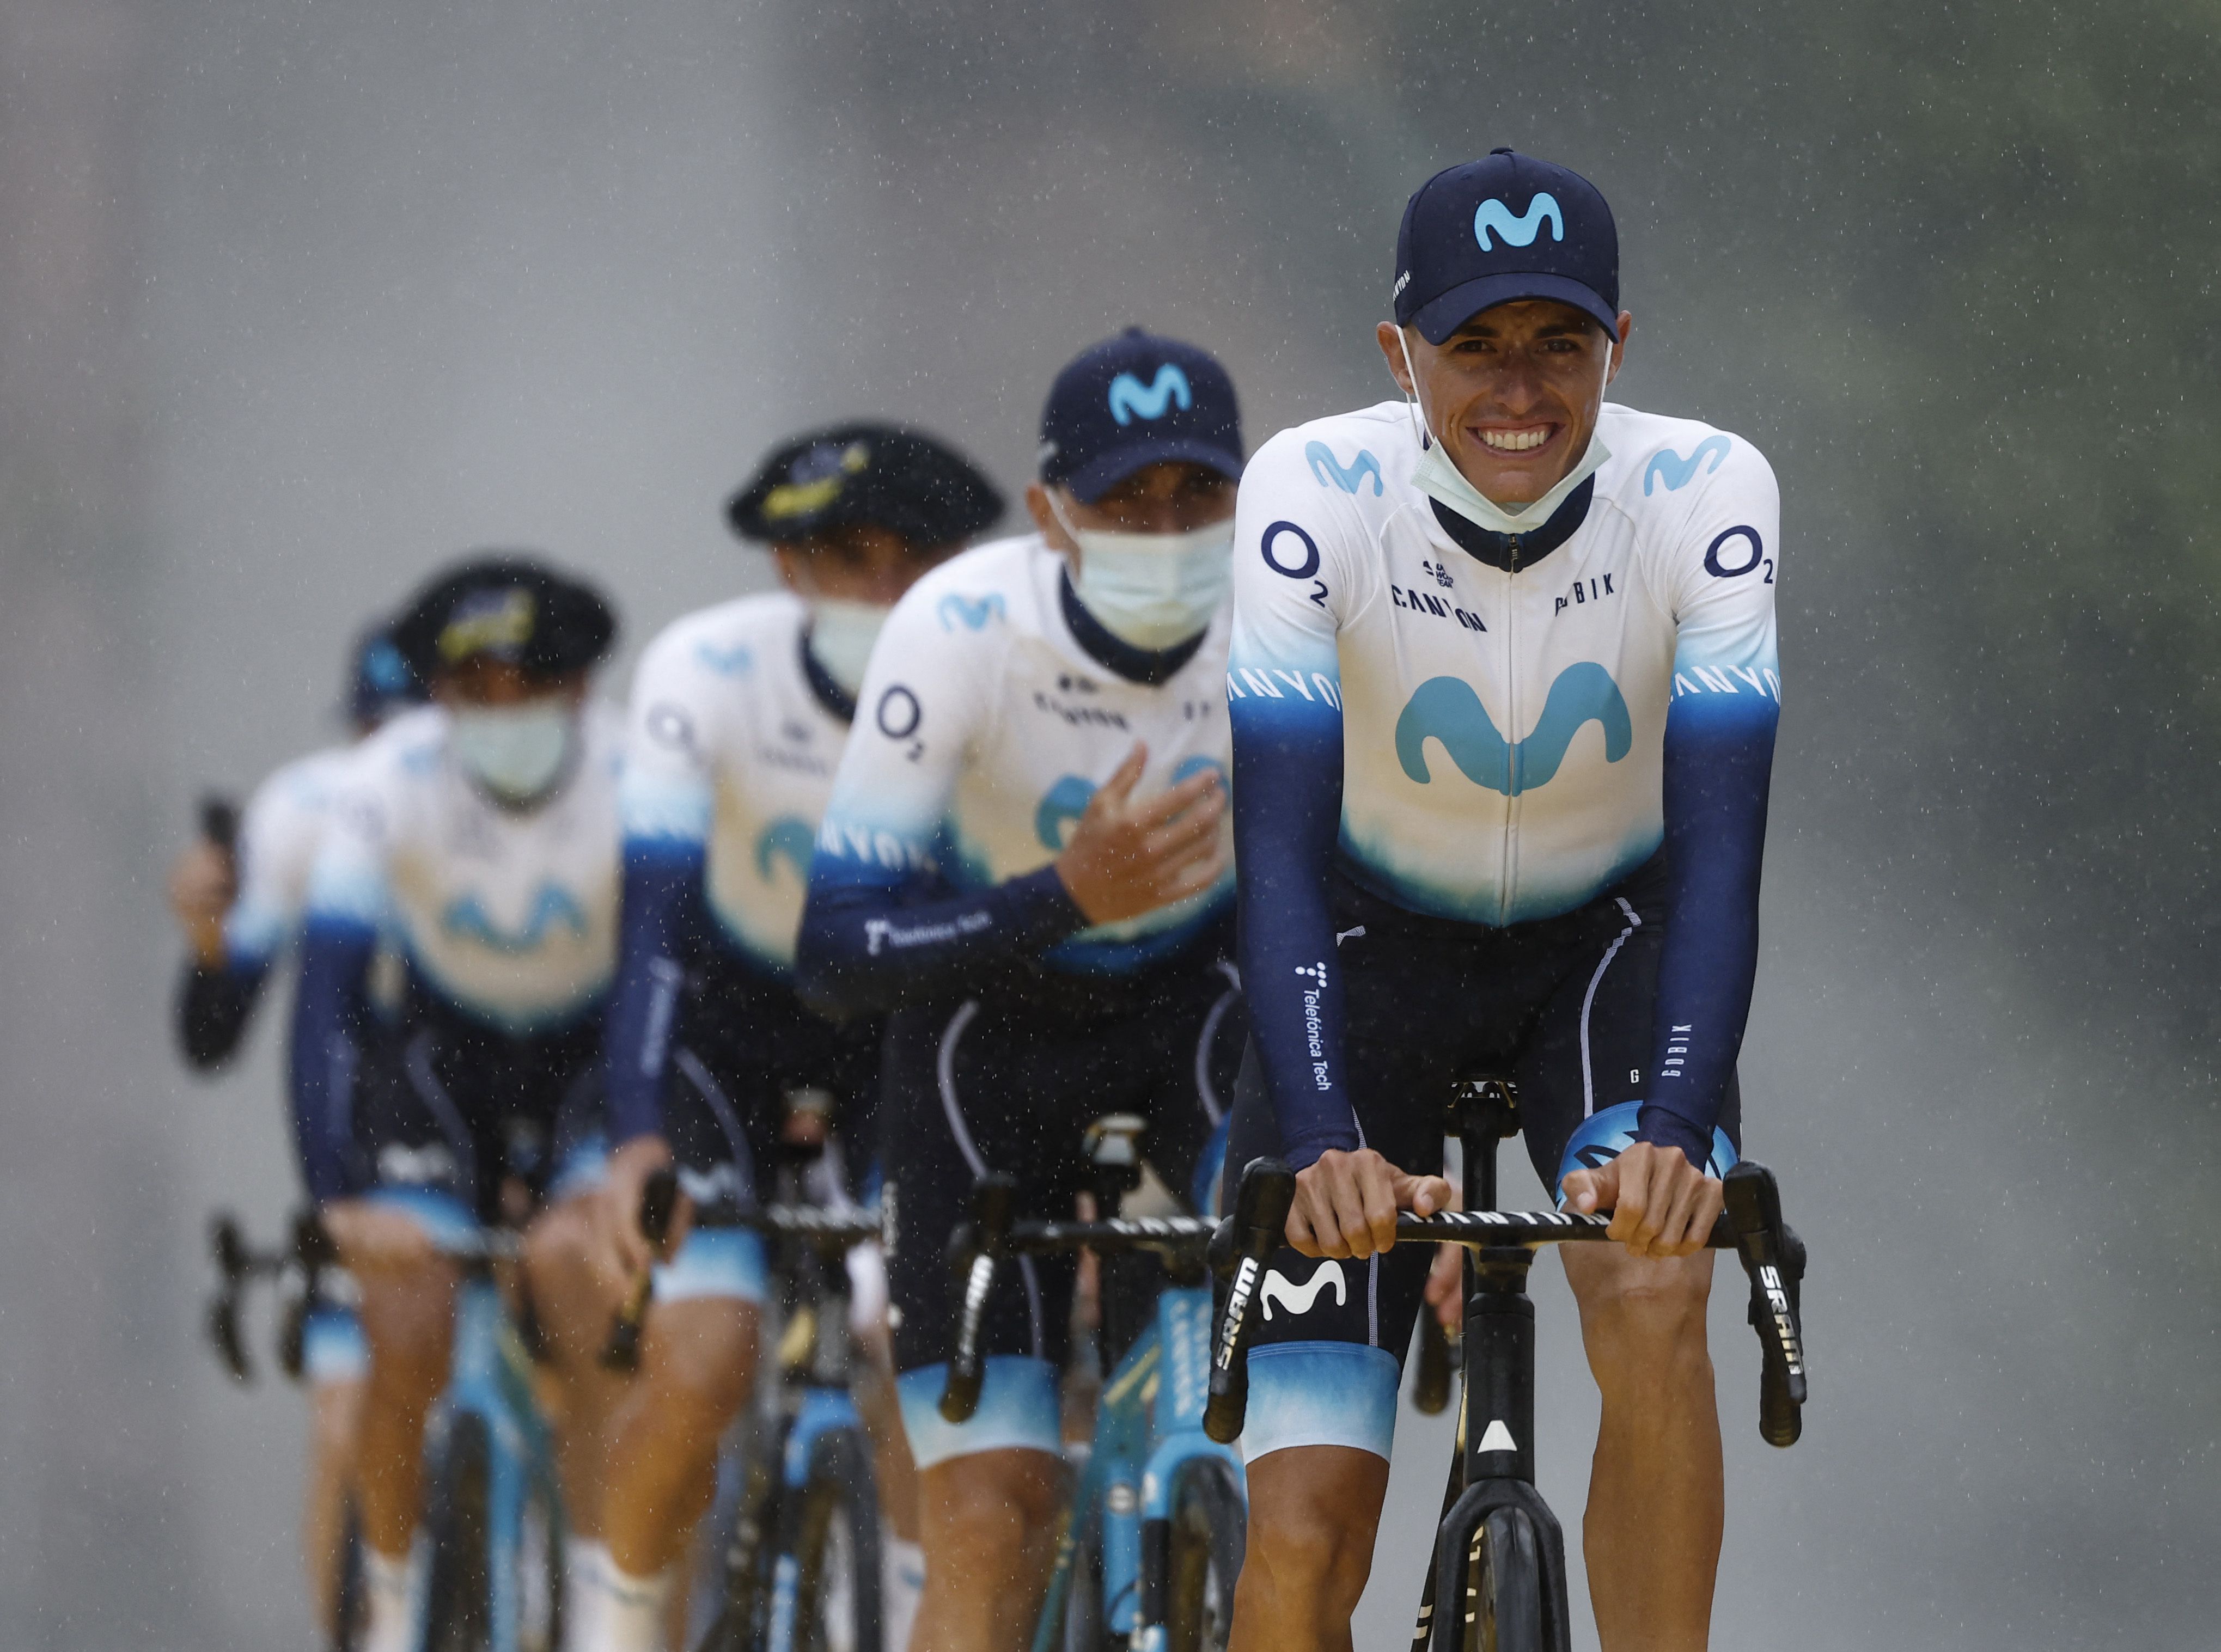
pixel 1128 401
pixel 1669 467
pixel 1446 708
pixel 786 839
pixel 1300 1299
pixel 1327 468
pixel 465 919
pixel 973 613
pixel 1493 215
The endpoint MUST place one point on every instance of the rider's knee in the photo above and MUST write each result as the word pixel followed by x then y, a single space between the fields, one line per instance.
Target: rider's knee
pixel 700 1359
pixel 992 1503
pixel 1641 1315
pixel 409 1322
pixel 1313 1534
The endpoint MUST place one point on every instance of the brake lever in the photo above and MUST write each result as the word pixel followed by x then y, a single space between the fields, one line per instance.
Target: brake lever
pixel 975 1250
pixel 1773 1258
pixel 1257 1228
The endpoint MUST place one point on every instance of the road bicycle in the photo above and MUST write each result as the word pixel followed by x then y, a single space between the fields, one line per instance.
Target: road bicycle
pixel 1496 1580
pixel 799 1566
pixel 492 1514
pixel 1151 1543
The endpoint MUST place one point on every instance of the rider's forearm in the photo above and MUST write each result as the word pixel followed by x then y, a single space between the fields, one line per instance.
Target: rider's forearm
pixel 1717 766
pixel 662 909
pixel 213 1007
pixel 1287 815
pixel 328 1016
pixel 865 947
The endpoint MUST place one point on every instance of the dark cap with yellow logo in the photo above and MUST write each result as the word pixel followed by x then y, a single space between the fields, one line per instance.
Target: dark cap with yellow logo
pixel 510 606
pixel 896 479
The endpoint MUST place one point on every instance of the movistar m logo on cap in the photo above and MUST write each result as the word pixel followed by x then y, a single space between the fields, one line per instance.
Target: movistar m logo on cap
pixel 1493 215
pixel 1446 708
pixel 1129 400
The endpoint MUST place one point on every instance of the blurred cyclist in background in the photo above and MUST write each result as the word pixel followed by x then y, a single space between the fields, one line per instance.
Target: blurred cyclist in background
pixel 237 891
pixel 475 844
pixel 739 716
pixel 1025 859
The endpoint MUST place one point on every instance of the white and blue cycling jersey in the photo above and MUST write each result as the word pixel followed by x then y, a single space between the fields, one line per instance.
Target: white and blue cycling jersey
pixel 506 917
pixel 1492 729
pixel 732 738
pixel 993 708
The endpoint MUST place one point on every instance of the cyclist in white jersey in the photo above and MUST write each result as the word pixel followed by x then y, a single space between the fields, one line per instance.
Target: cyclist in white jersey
pixel 738 718
pixel 475 844
pixel 1024 860
pixel 238 905
pixel 1503 692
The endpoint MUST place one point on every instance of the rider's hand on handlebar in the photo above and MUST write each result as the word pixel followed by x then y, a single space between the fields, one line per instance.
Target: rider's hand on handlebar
pixel 1125 859
pixel 1346 1203
pixel 203 882
pixel 620 1250
pixel 374 1239
pixel 1662 1205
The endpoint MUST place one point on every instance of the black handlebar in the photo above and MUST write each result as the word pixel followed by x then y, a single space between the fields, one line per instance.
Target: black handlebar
pixel 1261 1202
pixel 1769 1250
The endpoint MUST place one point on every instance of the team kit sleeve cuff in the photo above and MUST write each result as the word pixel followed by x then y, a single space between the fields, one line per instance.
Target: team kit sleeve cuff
pixel 1664 1127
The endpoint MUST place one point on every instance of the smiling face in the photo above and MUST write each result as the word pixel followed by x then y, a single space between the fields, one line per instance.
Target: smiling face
pixel 1513 395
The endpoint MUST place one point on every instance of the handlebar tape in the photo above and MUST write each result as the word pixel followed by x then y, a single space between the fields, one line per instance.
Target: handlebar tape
pixel 1258 1227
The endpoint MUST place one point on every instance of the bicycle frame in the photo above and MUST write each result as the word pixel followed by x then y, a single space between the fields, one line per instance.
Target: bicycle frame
pixel 490 1381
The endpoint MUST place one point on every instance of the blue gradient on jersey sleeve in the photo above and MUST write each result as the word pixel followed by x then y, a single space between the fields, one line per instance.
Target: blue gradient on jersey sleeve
pixel 254 931
pixel 660 913
pixel 663 808
pixel 1287 819
pixel 1719 764
pixel 330 1016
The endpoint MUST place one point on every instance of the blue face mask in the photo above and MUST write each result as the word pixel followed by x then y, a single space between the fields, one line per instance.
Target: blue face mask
pixel 517 753
pixel 1153 590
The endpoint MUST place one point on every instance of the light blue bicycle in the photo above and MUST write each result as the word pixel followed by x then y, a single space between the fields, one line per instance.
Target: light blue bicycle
pixel 1151 1542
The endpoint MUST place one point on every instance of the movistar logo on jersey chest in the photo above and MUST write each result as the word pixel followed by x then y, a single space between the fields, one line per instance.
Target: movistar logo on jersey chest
pixel 1447 709
pixel 466 919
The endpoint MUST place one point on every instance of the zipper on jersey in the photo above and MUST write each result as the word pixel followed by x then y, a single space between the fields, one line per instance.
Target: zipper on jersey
pixel 1511 733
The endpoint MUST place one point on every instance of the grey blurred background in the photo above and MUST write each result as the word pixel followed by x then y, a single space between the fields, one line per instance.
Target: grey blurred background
pixel 299 297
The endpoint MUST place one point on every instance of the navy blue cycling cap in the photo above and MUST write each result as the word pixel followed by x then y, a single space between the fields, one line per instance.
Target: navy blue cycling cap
pixel 1504 227
pixel 902 480
pixel 381 681
pixel 508 605
pixel 1136 400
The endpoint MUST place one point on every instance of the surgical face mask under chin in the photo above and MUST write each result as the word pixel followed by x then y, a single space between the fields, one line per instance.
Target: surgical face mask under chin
pixel 1440 480
pixel 517 753
pixel 840 637
pixel 1152 590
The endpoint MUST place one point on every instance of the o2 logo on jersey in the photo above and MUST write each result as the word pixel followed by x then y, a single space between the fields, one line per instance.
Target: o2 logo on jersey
pixel 465 919
pixel 789 839
pixel 1446 708
pixel 1328 469
pixel 1283 558
pixel 973 613
pixel 1669 467
pixel 1129 401
pixel 1724 558
pixel 1493 215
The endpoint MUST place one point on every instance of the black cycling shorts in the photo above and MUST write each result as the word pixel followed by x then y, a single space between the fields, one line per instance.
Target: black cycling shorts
pixel 1562 1006
pixel 1007 1081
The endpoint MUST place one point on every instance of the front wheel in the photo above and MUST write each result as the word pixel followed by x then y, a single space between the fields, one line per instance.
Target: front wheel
pixel 1210 1531
pixel 1503 1610
pixel 833 1554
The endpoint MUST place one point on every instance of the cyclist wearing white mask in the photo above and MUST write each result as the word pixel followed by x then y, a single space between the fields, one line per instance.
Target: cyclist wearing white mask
pixel 1026 861
pixel 738 716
